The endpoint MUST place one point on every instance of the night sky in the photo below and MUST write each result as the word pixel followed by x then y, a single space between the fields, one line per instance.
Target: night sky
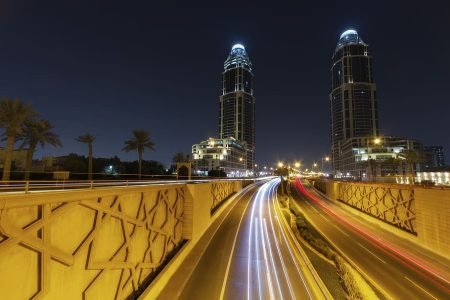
pixel 108 67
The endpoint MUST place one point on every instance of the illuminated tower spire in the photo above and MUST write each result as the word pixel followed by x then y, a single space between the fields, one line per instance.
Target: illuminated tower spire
pixel 237 103
pixel 353 103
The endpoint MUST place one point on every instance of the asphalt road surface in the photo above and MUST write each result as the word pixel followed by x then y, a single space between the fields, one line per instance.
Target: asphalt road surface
pixel 392 269
pixel 254 255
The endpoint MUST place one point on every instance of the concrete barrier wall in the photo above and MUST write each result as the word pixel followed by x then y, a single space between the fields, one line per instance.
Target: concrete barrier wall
pixel 97 244
pixel 433 218
pixel 422 214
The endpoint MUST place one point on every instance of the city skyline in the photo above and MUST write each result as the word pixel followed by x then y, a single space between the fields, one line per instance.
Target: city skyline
pixel 112 77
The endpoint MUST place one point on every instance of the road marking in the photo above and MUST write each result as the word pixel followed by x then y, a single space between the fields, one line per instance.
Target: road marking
pixel 372 253
pixel 222 292
pixel 343 232
pixel 424 290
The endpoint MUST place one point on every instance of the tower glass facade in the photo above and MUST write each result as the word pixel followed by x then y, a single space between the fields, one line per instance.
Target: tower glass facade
pixel 237 102
pixel 353 103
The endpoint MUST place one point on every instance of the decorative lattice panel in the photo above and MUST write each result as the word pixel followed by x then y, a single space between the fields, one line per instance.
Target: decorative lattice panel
pixel 220 190
pixel 87 248
pixel 391 204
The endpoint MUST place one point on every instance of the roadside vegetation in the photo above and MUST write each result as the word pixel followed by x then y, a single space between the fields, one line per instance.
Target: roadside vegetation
pixel 354 285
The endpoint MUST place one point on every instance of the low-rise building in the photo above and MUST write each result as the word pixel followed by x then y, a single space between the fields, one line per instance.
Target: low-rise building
pixel 19 158
pixel 365 158
pixel 228 155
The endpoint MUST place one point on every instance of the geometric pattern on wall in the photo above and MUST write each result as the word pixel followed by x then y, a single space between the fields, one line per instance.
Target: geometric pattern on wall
pixel 393 205
pixel 220 190
pixel 92 248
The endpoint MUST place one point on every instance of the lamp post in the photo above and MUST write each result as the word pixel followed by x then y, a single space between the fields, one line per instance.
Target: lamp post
pixel 376 141
pixel 326 158
pixel 280 170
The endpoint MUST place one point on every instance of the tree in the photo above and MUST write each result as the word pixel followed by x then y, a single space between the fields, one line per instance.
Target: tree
pixel 13 114
pixel 140 140
pixel 412 157
pixel 37 132
pixel 180 157
pixel 88 139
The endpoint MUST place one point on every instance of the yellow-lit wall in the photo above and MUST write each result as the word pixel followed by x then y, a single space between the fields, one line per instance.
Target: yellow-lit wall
pixel 421 214
pixel 100 243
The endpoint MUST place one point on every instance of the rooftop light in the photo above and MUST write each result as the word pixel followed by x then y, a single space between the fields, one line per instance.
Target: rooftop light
pixel 347 32
pixel 238 46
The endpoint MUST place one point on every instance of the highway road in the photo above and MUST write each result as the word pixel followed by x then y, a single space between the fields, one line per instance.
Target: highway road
pixel 254 255
pixel 395 271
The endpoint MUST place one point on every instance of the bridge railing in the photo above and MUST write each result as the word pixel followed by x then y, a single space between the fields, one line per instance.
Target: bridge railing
pixel 41 185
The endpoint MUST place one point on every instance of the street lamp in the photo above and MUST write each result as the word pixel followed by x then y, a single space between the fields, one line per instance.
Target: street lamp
pixel 280 164
pixel 327 159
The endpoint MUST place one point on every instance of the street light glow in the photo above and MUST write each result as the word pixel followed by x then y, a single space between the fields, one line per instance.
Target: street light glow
pixel 297 165
pixel 280 164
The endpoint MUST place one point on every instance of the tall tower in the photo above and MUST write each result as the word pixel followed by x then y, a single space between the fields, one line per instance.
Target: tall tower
pixel 353 103
pixel 237 103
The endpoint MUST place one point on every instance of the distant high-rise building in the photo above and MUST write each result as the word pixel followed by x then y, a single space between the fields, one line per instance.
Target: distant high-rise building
pixel 434 157
pixel 353 103
pixel 237 102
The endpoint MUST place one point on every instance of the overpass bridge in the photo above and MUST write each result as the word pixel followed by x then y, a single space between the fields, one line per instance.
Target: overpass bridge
pixel 126 240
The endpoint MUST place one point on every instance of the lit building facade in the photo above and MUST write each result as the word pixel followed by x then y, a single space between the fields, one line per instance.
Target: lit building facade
pixel 366 158
pixel 226 154
pixel 434 157
pixel 237 102
pixel 353 103
pixel 438 178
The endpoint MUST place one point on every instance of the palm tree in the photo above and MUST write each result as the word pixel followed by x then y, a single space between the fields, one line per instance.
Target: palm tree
pixel 412 157
pixel 88 139
pixel 180 158
pixel 140 140
pixel 13 114
pixel 37 132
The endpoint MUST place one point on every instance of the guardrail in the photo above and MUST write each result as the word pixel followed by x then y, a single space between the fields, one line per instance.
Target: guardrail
pixel 42 185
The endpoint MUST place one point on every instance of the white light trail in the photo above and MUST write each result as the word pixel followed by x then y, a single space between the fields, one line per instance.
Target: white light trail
pixel 289 248
pixel 291 291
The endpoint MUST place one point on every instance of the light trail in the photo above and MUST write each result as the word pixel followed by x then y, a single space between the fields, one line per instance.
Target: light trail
pixel 273 264
pixel 257 259
pixel 266 260
pixel 224 283
pixel 249 256
pixel 377 242
pixel 265 239
pixel 279 252
pixel 293 257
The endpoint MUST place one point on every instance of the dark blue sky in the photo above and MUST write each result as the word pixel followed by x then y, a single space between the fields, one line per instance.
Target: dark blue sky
pixel 107 67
